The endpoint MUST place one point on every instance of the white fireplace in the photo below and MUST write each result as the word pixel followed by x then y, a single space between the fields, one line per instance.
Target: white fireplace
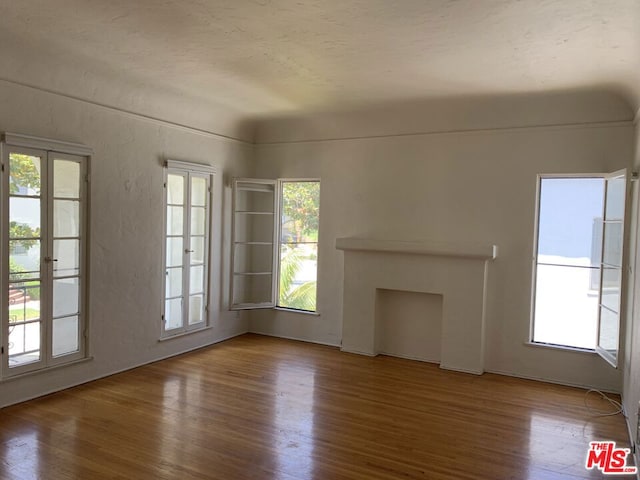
pixel 457 272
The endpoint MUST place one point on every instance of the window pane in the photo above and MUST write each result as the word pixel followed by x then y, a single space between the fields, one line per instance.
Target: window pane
pixel 298 272
pixel 253 258
pixel 570 211
pixel 24 174
pixel 252 289
pixel 612 247
pixel 24 301
pixel 175 252
pixel 253 228
pixel 66 179
pixel 174 220
pixel 24 217
pixel 175 189
pixel 174 282
pixel 254 197
pixel 173 314
pixel 24 344
pixel 66 218
pixel 611 282
pixel 609 331
pixel 300 208
pixel 198 191
pixel 197 250
pixel 615 198
pixel 197 221
pixel 196 309
pixel 566 306
pixel 196 281
pixel 66 294
pixel 24 259
pixel 65 335
pixel 67 252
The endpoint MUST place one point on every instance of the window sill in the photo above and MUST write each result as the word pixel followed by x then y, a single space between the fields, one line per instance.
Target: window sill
pixel 182 334
pixel 564 348
pixel 45 369
pixel 293 310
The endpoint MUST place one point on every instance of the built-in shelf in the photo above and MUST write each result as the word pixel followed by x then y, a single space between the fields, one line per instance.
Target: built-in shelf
pixel 463 250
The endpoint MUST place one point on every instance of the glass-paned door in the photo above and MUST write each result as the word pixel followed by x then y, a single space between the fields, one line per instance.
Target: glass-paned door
pixel 43 321
pixel 188 195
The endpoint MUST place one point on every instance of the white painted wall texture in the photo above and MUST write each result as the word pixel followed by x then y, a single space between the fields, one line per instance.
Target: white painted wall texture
pixel 126 221
pixel 477 187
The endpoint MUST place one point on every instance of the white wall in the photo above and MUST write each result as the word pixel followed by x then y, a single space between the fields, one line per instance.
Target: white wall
pixel 126 228
pixel 631 390
pixel 472 186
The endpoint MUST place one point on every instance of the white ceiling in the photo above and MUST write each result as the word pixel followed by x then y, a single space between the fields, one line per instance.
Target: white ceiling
pixel 267 56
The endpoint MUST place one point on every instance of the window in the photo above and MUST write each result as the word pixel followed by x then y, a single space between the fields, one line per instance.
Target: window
pixel 188 196
pixel 578 262
pixel 275 244
pixel 44 315
pixel 298 260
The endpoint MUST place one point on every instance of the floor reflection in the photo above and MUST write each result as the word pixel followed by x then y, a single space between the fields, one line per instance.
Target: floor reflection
pixel 20 456
pixel 294 421
pixel 549 454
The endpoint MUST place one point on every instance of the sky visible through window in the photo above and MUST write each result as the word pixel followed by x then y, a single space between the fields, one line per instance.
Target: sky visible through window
pixel 568 208
pixel 569 239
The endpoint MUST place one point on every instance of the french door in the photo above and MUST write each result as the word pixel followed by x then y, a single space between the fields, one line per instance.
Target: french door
pixel 44 257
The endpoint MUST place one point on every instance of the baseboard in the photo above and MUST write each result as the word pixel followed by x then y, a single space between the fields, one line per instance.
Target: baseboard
pixel 357 352
pixel 297 339
pixel 547 380
pixel 461 370
pixel 411 357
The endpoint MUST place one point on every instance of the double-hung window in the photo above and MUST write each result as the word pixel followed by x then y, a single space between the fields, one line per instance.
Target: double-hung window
pixel 44 253
pixel 188 198
pixel 275 244
pixel 578 262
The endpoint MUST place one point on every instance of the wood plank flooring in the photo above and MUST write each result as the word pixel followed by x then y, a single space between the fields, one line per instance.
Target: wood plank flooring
pixel 263 408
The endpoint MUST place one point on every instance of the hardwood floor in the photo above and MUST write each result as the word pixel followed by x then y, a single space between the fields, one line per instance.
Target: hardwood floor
pixel 263 408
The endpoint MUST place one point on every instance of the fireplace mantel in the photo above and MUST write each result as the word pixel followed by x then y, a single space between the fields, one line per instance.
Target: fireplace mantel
pixel 462 250
pixel 456 271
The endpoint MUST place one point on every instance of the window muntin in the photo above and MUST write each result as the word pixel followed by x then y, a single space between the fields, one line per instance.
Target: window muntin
pixel 187 247
pixel 44 319
pixel 298 244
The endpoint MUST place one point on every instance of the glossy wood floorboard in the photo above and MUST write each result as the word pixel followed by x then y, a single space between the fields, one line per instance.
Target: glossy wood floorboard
pixel 262 408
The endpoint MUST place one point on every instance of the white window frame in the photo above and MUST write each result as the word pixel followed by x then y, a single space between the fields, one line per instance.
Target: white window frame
pixel 47 150
pixel 270 302
pixel 606 177
pixel 188 170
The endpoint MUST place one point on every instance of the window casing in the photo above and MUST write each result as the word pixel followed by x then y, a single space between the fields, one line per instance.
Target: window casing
pixel 578 262
pixel 44 253
pixel 274 261
pixel 187 245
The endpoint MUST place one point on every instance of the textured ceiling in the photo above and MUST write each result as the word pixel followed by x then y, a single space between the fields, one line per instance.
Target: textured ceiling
pixel 266 56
